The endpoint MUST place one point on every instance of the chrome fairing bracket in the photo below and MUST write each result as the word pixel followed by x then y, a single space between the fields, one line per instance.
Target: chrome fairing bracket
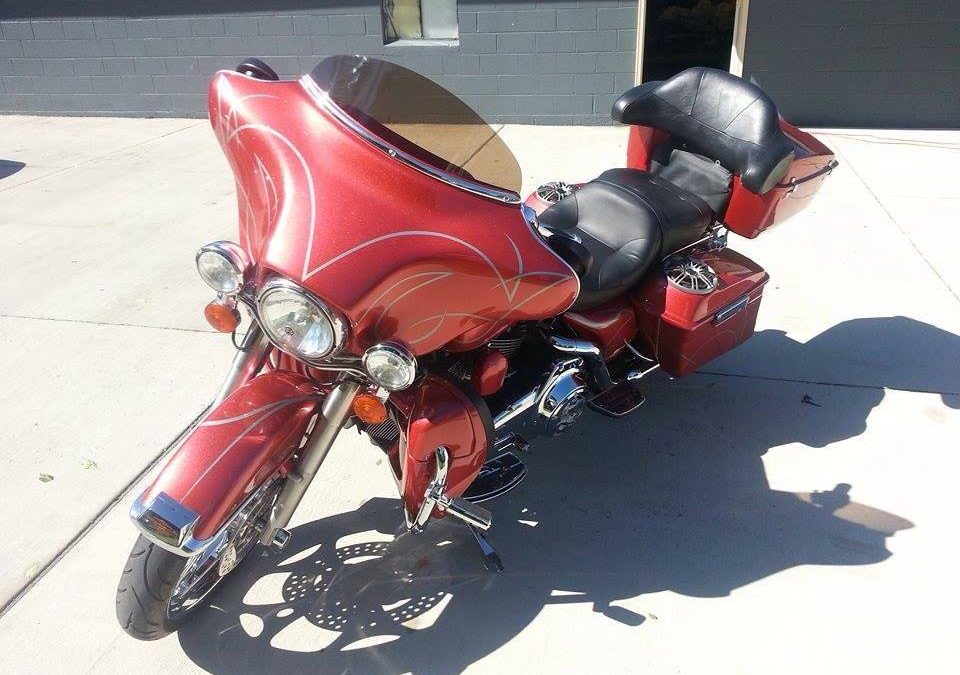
pixel 167 523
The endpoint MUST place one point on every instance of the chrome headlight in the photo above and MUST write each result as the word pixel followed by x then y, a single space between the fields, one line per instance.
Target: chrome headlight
pixel 298 323
pixel 390 365
pixel 221 265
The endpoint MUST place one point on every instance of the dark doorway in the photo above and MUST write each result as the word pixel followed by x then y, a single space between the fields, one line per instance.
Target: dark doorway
pixel 679 34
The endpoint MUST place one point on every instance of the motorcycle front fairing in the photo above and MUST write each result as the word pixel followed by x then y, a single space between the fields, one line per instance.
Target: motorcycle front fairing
pixel 402 253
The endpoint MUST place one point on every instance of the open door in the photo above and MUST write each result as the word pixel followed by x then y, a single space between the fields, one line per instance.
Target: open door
pixel 673 35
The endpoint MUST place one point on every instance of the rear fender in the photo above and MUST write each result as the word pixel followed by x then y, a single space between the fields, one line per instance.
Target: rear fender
pixel 240 444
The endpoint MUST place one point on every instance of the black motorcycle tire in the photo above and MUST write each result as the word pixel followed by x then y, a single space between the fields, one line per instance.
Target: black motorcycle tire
pixel 145 589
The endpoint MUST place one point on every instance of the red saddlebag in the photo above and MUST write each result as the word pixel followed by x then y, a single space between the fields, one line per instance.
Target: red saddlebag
pixel 684 323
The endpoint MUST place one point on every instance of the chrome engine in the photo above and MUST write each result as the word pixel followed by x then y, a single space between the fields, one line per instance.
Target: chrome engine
pixel 548 409
pixel 546 390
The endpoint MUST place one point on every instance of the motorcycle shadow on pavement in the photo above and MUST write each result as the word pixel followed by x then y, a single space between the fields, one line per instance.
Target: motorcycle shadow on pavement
pixel 674 498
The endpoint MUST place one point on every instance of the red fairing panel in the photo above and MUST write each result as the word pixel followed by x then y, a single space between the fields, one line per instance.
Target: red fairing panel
pixel 610 326
pixel 439 413
pixel 237 447
pixel 401 254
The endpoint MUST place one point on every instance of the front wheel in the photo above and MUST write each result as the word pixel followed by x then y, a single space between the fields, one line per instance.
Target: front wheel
pixel 146 589
pixel 159 591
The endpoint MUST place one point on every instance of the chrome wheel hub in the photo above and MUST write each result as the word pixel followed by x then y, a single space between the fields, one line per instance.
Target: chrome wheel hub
pixel 204 570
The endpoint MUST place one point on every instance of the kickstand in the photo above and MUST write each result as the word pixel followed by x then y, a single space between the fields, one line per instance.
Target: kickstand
pixel 490 558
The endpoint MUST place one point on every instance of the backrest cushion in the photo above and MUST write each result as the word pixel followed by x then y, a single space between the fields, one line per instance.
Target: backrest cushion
pixel 716 114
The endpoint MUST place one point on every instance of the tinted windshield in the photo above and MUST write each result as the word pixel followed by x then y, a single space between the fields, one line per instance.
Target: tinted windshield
pixel 419 117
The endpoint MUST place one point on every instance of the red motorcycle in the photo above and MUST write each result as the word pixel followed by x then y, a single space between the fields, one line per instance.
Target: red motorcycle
pixel 397 282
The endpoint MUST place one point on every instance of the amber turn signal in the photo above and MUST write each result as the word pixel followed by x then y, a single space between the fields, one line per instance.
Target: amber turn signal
pixel 223 318
pixel 369 409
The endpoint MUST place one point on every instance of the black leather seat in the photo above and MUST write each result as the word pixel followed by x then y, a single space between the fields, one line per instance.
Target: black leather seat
pixel 615 227
pixel 718 115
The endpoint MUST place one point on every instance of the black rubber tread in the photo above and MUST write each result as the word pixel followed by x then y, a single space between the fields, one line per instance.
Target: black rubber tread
pixel 145 589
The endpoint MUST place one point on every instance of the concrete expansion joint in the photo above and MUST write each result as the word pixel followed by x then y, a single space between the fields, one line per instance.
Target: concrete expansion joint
pixel 848 385
pixel 106 323
pixel 92 523
pixel 903 232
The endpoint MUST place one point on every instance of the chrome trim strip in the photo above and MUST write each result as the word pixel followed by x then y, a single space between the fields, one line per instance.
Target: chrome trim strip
pixel 535 397
pixel 614 315
pixel 731 310
pixel 324 101
pixel 516 408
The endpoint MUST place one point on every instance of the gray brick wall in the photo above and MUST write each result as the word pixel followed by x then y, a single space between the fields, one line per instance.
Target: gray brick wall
pixel 876 63
pixel 529 62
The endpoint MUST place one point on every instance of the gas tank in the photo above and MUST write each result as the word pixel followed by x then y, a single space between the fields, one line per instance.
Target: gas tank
pixel 402 252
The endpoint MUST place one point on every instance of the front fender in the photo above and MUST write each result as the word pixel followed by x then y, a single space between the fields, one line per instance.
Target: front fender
pixel 240 444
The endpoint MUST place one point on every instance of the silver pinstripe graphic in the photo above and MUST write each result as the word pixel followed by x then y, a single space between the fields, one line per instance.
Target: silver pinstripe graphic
pixel 250 413
pixel 400 297
pixel 306 170
pixel 594 324
pixel 417 233
pixel 223 453
pixel 440 319
pixel 493 322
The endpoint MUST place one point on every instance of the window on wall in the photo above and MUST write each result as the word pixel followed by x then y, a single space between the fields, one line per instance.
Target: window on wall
pixel 420 20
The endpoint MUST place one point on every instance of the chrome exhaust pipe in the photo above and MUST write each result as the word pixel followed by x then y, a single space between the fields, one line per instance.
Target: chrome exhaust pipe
pixel 333 415
pixel 597 372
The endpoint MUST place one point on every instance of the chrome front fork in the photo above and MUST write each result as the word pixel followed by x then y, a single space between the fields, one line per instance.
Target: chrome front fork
pixel 249 360
pixel 334 414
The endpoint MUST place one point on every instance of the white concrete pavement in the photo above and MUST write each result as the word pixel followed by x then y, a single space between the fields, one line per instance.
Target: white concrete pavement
pixel 687 538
